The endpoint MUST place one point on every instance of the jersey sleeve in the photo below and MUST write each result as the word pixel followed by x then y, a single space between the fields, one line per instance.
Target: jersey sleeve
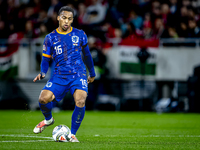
pixel 87 58
pixel 84 39
pixel 46 55
pixel 47 47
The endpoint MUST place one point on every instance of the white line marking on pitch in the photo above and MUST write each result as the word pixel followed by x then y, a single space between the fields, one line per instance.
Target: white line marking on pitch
pixel 24 141
pixel 149 135
pixel 22 135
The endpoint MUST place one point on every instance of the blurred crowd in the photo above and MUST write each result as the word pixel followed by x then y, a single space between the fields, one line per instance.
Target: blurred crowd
pixel 106 21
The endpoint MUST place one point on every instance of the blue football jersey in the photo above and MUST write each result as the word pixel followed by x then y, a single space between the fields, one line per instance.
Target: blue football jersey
pixel 66 50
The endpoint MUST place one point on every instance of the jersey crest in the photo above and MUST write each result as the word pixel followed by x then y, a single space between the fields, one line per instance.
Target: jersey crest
pixel 75 40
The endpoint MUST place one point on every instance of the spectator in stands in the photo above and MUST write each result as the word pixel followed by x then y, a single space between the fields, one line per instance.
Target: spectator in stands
pixel 134 22
pixel 194 30
pixel 95 13
pixel 42 17
pixel 196 4
pixel 112 34
pixel 55 6
pixel 115 15
pixel 29 30
pixel 165 13
pixel 158 29
pixel 72 6
pixel 144 6
pixel 131 31
pixel 29 14
pixel 135 19
pixel 155 4
pixel 3 30
pixel 104 22
pixel 81 13
pixel 183 17
pixel 118 34
pixel 147 30
pixel 192 14
pixel 11 12
pixel 15 27
pixel 182 30
pixel 173 7
pixel 52 22
pixel 172 33
pixel 147 20
pixel 109 30
pixel 168 18
pixel 156 10
pixel 43 31
pixel 36 4
pixel 186 3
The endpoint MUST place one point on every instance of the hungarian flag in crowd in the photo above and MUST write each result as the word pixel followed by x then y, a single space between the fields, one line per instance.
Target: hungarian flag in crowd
pixel 9 56
pixel 132 55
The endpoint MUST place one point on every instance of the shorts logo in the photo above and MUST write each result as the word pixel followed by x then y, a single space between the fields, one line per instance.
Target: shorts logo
pixel 75 40
pixel 49 84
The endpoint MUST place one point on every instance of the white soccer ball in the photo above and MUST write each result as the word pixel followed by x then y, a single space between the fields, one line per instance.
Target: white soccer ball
pixel 61 133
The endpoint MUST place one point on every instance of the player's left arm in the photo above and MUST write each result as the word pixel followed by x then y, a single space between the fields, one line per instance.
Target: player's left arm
pixel 89 63
pixel 88 59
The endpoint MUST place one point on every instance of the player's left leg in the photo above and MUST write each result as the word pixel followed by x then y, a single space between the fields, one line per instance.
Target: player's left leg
pixel 79 112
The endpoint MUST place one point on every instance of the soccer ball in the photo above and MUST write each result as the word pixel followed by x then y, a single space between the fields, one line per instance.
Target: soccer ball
pixel 61 133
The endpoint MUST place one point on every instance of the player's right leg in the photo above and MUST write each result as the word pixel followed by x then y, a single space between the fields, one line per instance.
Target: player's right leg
pixel 45 103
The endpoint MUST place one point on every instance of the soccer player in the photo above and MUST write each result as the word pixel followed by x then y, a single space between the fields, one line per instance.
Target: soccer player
pixel 68 47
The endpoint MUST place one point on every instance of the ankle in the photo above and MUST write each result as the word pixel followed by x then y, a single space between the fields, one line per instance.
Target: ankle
pixel 48 121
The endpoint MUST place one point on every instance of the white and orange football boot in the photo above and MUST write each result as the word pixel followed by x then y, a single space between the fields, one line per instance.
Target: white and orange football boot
pixel 42 125
pixel 73 139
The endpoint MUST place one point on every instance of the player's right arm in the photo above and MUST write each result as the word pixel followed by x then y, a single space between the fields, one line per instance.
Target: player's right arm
pixel 46 57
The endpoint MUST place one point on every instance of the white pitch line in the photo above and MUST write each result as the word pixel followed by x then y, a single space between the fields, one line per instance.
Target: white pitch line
pixel 97 135
pixel 24 141
pixel 22 135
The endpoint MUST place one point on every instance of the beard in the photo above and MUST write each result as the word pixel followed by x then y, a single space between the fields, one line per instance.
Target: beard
pixel 64 29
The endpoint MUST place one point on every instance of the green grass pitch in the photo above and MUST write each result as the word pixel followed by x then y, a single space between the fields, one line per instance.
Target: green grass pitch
pixel 103 130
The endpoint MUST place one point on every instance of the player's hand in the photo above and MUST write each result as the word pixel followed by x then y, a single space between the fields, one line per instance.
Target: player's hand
pixel 90 79
pixel 39 77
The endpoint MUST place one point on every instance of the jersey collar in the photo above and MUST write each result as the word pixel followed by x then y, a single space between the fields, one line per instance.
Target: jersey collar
pixel 63 32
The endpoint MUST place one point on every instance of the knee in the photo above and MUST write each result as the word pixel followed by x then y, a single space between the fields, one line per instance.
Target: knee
pixel 43 100
pixel 80 103
pixel 80 98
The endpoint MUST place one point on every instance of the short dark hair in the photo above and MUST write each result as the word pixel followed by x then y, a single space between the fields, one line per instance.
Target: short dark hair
pixel 66 8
